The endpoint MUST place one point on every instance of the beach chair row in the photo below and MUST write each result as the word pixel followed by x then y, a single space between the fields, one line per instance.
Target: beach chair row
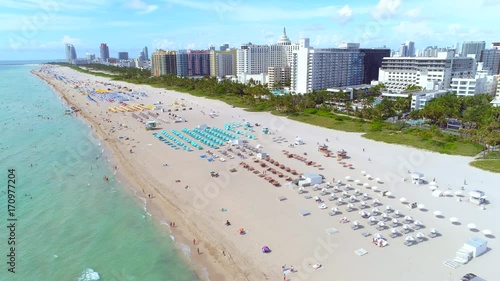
pixel 176 141
pixel 161 138
pixel 223 135
pixel 177 133
pixel 200 137
pixel 213 139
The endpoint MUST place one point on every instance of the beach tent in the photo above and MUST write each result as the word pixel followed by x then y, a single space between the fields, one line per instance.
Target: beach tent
pixel 417 178
pixel 312 178
pixel 262 155
pixel 202 127
pixel 437 193
pixel 476 245
pixel 266 249
pixel 298 141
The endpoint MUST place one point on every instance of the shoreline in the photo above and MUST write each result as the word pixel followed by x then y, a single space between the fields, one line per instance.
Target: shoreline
pixel 160 207
pixel 251 202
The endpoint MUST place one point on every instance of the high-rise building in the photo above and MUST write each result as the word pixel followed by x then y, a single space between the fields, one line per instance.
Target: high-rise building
pixel 224 47
pixel 403 50
pixel 317 69
pixel 222 63
pixel 193 63
pixel 70 53
pixel 473 48
pixel 90 57
pixel 372 61
pixel 163 63
pixel 495 45
pixel 411 48
pixel 122 55
pixel 491 60
pixel 146 53
pixel 430 73
pixel 104 52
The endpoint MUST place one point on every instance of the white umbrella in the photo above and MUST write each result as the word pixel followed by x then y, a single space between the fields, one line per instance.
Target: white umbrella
pixel 397 212
pixel 434 231
pixel 378 235
pixel 328 183
pixel 345 193
pixel 378 180
pixel 340 199
pixel 385 216
pixel 395 231
pixel 372 219
pixel 350 205
pixel 437 213
pixel 316 185
pixel 376 201
pixel 388 208
pixel 417 222
pixel 363 203
pixel 347 185
pixel 458 192
pixel 454 219
pixel 369 177
pixel 363 172
pixel 324 190
pixel 421 206
pixel 409 238
pixel 374 188
pixel 395 221
pixel 420 235
pixel 355 222
pixel 408 218
pixel 357 181
pixel 471 226
pixel 366 184
pixel 433 183
pixel 335 209
pixel 375 210
pixel 405 226
pixel 347 177
pixel 388 193
pixel 433 187
pixel 487 232
pixel 356 191
pixel 402 199
pixel 381 223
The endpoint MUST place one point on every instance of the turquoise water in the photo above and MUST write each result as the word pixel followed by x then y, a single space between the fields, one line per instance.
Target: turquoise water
pixel 277 92
pixel 71 224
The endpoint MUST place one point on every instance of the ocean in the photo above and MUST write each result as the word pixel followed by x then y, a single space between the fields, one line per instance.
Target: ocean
pixel 67 222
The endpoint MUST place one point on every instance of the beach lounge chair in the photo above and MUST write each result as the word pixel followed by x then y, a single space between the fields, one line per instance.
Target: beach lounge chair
pixel 408 243
pixel 304 213
pixel 281 198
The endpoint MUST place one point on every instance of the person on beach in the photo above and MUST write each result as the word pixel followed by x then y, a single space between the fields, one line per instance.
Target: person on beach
pixel 198 249
pixel 194 241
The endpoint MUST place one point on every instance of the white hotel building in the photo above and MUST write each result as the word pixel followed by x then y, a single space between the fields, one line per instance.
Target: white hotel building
pixel 317 69
pixel 430 73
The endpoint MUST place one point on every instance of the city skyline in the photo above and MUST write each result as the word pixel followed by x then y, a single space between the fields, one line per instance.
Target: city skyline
pixel 35 29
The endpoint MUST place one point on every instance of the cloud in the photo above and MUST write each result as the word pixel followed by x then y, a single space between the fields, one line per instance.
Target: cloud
pixel 70 40
pixel 314 27
pixel 190 46
pixel 163 44
pixel 141 6
pixel 235 10
pixel 413 13
pixel 386 8
pixel 344 15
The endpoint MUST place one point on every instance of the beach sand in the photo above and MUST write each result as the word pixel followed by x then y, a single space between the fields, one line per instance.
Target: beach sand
pixel 250 202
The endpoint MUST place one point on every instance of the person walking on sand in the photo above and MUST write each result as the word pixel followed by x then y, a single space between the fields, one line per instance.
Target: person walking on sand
pixel 194 241
pixel 198 249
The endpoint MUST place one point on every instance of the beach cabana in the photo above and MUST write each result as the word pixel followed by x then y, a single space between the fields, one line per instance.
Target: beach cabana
pixel 202 127
pixel 312 178
pixel 477 197
pixel 477 246
pixel 299 141
pixel 417 178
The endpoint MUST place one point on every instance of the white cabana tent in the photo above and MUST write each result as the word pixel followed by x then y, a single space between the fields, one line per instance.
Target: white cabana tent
pixel 312 178
pixel 202 126
pixel 437 193
pixel 476 245
pixel 236 142
pixel 417 178
pixel 299 141
pixel 477 197
pixel 262 155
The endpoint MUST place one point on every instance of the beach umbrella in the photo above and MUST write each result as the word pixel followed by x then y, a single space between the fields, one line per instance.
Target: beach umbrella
pixel 328 184
pixel 381 223
pixel 388 208
pixel 340 199
pixel 345 193
pixel 378 180
pixel 366 184
pixel 374 188
pixel 409 238
pixel 357 181
pixel 421 206
pixel 405 226
pixel 355 223
pixel 487 232
pixel 434 231
pixel 454 219
pixel 369 177
pixel 420 235
pixel 385 216
pixel 365 195
pixel 408 218
pixel 375 210
pixel 378 235
pixel 376 202
pixel 437 213
pixel 347 177
pixel 352 198
pixel 372 219
pixel 334 209
pixel 350 205
pixel 395 221
pixel 363 172
pixel 356 191
pixel 347 186
pixel 388 193
pixel 363 203
pixel 394 231
pixel 471 226
pixel 417 222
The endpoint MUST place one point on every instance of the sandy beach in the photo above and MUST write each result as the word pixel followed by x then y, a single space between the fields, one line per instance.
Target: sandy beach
pixel 179 187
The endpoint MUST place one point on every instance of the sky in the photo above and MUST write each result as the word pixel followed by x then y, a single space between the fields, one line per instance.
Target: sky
pixel 39 29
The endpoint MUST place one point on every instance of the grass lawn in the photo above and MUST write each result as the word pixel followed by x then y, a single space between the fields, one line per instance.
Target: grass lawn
pixel 436 145
pixel 333 122
pixel 491 155
pixel 487 165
